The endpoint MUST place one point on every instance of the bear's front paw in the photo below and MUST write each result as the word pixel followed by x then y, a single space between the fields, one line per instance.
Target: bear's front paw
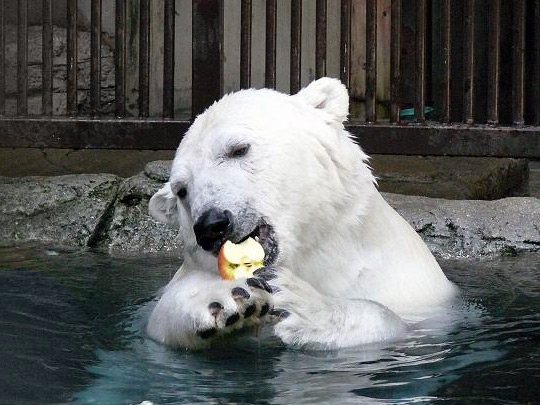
pixel 306 318
pixel 196 310
pixel 246 306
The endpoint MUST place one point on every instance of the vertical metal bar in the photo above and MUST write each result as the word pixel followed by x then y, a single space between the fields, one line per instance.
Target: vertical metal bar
pixel 168 59
pixel 518 83
pixel 468 59
pixel 296 44
pixel 22 58
pixel 144 58
pixel 371 60
pixel 536 68
pixel 72 57
pixel 270 57
pixel 47 58
pixel 2 61
pixel 245 44
pixel 395 59
pixel 207 18
pixel 420 65
pixel 345 43
pixel 120 58
pixel 446 39
pixel 95 58
pixel 494 62
pixel 320 38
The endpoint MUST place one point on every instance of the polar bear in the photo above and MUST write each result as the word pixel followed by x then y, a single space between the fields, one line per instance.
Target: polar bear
pixel 342 268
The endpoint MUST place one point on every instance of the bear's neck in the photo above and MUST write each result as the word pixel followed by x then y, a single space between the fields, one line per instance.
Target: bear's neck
pixel 332 246
pixel 375 255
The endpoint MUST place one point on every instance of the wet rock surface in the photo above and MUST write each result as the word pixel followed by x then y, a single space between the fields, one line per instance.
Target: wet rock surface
pixel 131 229
pixel 468 228
pixel 64 209
pixel 99 210
pixel 109 212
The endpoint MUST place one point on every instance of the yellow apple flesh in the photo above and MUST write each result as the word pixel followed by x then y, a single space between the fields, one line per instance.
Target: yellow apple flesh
pixel 240 260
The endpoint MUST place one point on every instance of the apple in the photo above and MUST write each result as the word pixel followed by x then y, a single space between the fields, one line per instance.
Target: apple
pixel 240 260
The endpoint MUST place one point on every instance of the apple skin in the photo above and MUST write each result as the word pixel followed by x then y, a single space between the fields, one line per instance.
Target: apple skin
pixel 240 260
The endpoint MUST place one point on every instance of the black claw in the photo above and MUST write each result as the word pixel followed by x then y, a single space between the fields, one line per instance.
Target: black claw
pixel 274 289
pixel 264 309
pixel 266 287
pixel 206 333
pixel 259 283
pixel 250 310
pixel 280 313
pixel 232 319
pixel 267 273
pixel 255 283
pixel 239 292
pixel 214 308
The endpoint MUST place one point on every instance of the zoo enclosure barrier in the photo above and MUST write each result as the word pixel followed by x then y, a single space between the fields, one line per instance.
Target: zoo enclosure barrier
pixel 454 77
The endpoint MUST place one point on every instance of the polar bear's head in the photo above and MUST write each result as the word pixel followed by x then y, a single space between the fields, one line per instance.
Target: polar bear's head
pixel 263 163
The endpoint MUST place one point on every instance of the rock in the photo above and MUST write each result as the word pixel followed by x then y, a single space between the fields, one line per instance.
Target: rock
pixel 131 228
pixel 457 178
pixel 472 228
pixel 107 212
pixel 159 170
pixel 99 211
pixel 64 209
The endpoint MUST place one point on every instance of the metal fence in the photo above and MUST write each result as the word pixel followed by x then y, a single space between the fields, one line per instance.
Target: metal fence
pixel 464 75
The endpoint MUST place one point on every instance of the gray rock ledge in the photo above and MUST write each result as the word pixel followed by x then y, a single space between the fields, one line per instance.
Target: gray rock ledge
pixel 108 212
pixel 471 228
pixel 95 210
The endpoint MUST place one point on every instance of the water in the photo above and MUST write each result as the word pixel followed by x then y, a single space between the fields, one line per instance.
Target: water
pixel 71 330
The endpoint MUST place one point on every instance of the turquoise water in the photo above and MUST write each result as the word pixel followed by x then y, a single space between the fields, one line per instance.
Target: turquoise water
pixel 71 330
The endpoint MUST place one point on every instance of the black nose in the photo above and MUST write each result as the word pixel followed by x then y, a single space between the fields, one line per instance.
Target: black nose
pixel 211 228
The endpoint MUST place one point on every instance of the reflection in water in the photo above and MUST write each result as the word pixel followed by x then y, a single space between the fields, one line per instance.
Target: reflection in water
pixel 73 321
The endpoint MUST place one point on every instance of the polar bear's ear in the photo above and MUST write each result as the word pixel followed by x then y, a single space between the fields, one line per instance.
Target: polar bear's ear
pixel 162 206
pixel 329 95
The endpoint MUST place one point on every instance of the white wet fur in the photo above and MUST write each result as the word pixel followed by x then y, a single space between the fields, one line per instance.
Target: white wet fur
pixel 351 270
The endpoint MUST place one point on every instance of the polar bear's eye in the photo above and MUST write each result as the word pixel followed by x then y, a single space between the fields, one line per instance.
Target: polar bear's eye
pixel 182 192
pixel 238 151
